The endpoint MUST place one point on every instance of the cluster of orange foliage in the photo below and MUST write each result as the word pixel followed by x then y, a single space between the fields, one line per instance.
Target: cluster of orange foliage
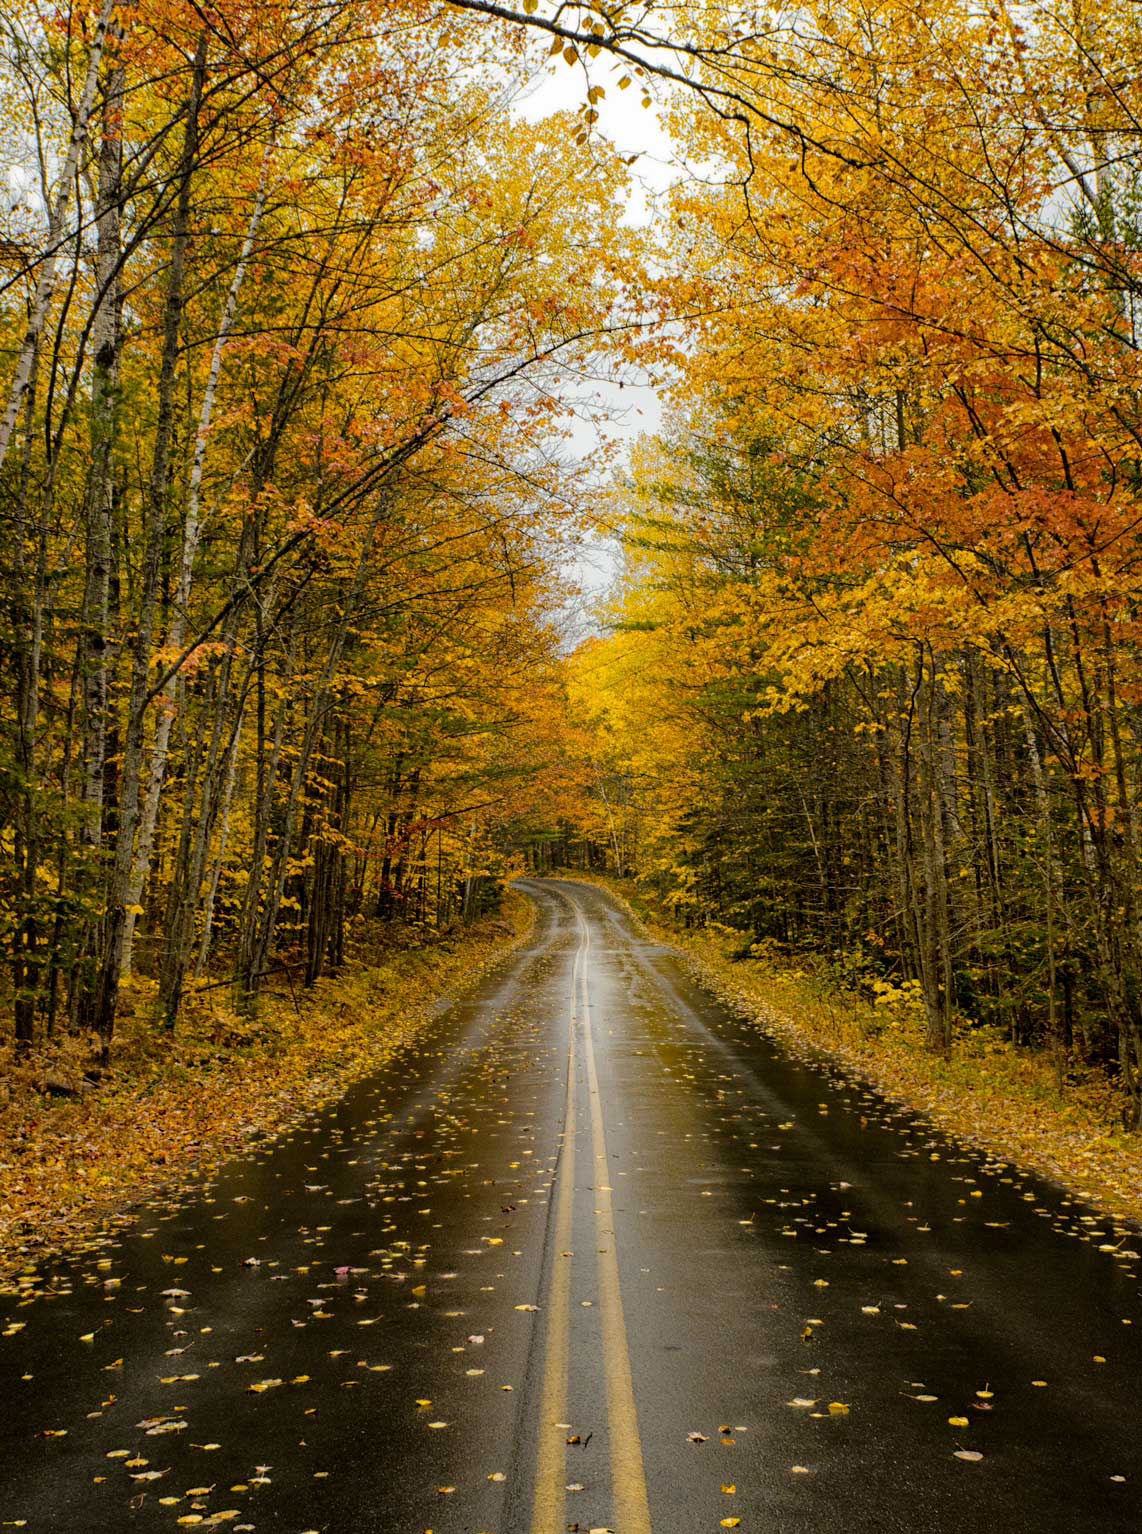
pixel 874 678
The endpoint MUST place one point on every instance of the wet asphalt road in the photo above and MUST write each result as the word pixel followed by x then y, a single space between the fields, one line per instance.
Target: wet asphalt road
pixel 595 1254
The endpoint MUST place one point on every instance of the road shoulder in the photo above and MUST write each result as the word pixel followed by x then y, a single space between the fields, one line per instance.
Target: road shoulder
pixel 1005 1104
pixel 172 1109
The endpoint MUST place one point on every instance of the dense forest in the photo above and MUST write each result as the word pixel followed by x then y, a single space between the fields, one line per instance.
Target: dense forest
pixel 293 312
pixel 283 317
pixel 872 682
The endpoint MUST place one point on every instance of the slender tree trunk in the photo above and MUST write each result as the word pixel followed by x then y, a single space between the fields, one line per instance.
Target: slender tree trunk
pixel 45 286
pixel 95 662
pixel 192 531
pixel 128 820
pixel 27 602
pixel 220 851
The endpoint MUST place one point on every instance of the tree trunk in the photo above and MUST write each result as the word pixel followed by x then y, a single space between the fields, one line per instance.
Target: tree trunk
pixel 128 820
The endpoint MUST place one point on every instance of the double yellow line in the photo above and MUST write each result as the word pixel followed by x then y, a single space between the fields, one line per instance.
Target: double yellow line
pixel 628 1477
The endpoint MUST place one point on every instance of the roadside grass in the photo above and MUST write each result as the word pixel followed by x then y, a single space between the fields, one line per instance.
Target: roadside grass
pixel 1003 1100
pixel 175 1105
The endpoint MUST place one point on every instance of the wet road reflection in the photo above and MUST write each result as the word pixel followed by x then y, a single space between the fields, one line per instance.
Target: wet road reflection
pixel 593 1254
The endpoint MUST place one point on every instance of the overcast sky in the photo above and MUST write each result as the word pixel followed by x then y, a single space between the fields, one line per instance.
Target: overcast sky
pixel 633 130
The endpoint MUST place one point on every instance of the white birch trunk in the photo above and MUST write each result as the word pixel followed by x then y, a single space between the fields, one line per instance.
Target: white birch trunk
pixel 192 532
pixel 45 287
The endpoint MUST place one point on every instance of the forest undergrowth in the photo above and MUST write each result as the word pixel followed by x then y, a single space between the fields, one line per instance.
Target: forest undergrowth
pixel 1004 1101
pixel 174 1105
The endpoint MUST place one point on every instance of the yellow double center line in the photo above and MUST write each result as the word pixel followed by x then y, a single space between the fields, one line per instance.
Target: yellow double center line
pixel 548 1505
pixel 628 1477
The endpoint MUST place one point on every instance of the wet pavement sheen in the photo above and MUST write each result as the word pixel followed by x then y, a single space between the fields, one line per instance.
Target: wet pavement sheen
pixel 776 1299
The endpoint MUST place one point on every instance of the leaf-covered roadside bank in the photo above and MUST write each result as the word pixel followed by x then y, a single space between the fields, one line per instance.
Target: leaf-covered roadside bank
pixel 174 1106
pixel 1004 1102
